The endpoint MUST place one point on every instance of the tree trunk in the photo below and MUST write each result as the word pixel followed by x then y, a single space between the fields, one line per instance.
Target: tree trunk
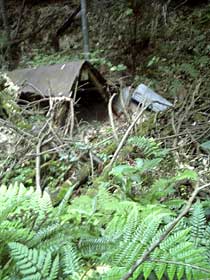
pixel 85 29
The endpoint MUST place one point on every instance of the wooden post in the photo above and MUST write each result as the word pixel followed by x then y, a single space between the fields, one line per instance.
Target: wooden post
pixel 85 29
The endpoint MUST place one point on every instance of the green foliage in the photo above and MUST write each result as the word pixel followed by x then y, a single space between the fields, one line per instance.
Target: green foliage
pixel 102 232
pixel 200 229
pixel 43 58
pixel 34 240
pixel 8 91
pixel 33 263
pixel 177 257
pixel 189 69
pixel 98 58
pixel 148 147
pixel 21 174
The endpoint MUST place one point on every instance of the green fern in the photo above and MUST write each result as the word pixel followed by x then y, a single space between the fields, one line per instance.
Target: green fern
pixel 176 258
pixel 32 236
pixel 148 147
pixel 70 261
pixel 198 225
pixel 90 246
pixel 32 263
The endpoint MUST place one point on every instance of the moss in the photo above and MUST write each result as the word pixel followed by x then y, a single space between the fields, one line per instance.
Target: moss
pixel 146 126
pixel 109 149
pixel 83 173
pixel 126 152
pixel 58 195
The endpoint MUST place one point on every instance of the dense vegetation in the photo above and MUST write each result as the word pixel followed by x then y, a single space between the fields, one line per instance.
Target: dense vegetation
pixel 73 207
pixel 102 233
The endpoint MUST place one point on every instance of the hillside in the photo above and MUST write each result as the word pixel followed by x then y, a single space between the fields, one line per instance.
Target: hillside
pixel 126 196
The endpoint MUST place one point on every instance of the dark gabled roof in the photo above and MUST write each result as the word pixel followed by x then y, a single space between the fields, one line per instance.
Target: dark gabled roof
pixel 55 80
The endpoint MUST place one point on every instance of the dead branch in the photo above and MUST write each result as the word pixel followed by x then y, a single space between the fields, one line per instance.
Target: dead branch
pixel 171 226
pixel 91 164
pixel 122 142
pixel 47 21
pixel 72 118
pixel 38 166
pixel 38 158
pixel 111 119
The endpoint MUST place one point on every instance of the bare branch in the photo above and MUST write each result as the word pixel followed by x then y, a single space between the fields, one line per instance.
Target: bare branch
pixel 111 119
pixel 122 142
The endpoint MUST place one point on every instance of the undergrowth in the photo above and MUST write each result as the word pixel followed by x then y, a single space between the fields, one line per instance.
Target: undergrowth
pixel 102 232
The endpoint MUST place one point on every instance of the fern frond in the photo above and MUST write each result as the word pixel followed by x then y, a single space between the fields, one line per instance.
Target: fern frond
pixel 128 251
pixel 207 235
pixel 55 243
pixel 90 246
pixel 131 225
pixel 44 201
pixel 32 263
pixel 70 260
pixel 187 261
pixel 13 231
pixel 111 200
pixel 115 274
pixel 148 147
pixel 46 265
pixel 177 248
pixel 198 224
pixel 26 260
pixel 53 275
pixel 44 233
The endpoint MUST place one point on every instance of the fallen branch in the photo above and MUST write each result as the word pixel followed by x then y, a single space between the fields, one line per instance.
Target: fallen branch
pixel 38 164
pixel 171 226
pixel 38 157
pixel 122 142
pixel 111 119
pixel 38 167
pixel 72 118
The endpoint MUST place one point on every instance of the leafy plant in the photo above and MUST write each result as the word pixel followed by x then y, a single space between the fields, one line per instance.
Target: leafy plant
pixel 177 257
pixel 42 58
pixel 35 243
pixel 98 58
pixel 104 230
